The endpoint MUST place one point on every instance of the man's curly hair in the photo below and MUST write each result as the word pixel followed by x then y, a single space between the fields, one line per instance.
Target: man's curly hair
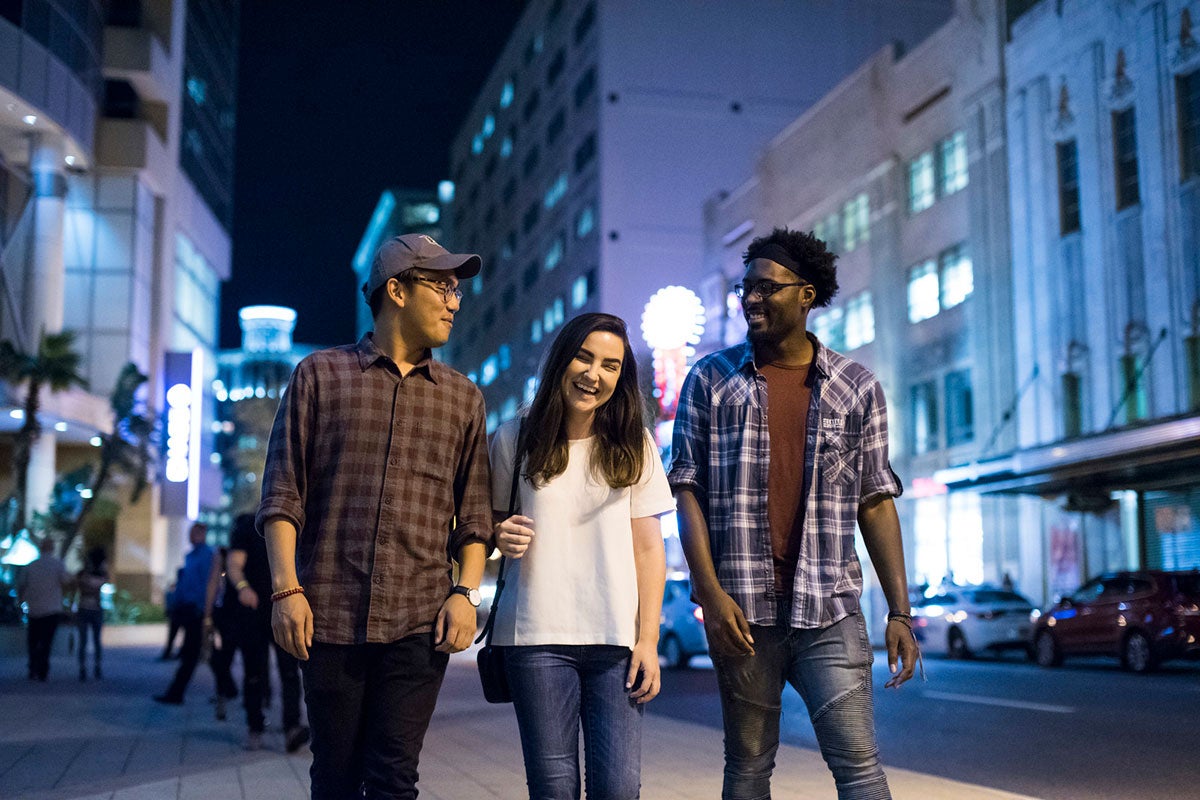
pixel 817 263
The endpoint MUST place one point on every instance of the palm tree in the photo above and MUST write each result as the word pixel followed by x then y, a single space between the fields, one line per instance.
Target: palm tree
pixel 56 365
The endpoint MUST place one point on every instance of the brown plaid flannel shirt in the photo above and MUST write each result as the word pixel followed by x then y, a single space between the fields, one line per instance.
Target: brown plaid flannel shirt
pixel 385 478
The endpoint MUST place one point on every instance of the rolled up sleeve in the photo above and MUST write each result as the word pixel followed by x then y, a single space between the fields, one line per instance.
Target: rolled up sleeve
pixel 689 441
pixel 472 489
pixel 285 474
pixel 878 478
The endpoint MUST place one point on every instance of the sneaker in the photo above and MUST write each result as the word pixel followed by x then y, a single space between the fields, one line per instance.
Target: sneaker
pixel 295 738
pixel 168 700
pixel 253 741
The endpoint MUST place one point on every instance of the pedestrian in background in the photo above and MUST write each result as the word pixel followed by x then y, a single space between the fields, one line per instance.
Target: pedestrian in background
pixel 190 599
pixel 376 477
pixel 220 630
pixel 582 602
pixel 89 614
pixel 173 622
pixel 781 446
pixel 40 588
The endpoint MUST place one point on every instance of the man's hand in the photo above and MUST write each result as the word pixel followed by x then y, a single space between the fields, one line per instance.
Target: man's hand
pixel 726 627
pixel 455 625
pixel 644 661
pixel 513 535
pixel 292 624
pixel 248 597
pixel 901 643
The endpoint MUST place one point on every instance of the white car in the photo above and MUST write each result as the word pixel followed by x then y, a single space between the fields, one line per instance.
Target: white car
pixel 961 620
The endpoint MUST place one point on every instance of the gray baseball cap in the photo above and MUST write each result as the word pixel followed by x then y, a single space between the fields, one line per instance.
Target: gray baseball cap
pixel 417 250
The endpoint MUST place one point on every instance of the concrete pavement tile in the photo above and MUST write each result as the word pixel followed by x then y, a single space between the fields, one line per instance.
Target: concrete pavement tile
pixel 41 768
pixel 11 753
pixel 162 790
pixel 273 778
pixel 100 759
pixel 156 751
pixel 223 783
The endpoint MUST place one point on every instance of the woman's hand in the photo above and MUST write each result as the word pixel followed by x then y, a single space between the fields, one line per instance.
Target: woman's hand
pixel 513 535
pixel 644 661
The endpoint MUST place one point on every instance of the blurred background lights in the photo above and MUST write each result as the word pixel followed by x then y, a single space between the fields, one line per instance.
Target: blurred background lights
pixel 673 319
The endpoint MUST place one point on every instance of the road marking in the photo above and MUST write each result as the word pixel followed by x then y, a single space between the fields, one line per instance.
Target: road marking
pixel 996 701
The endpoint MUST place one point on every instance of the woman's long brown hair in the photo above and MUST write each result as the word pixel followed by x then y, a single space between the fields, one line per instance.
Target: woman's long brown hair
pixel 619 454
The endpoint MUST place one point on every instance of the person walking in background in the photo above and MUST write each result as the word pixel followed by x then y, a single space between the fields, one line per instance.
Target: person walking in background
pixel 173 622
pixel 580 614
pixel 249 576
pixel 89 614
pixel 780 446
pixel 220 631
pixel 40 589
pixel 190 598
pixel 376 477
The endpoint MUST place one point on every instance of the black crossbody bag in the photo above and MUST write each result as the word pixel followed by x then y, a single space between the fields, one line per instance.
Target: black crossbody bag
pixel 490 658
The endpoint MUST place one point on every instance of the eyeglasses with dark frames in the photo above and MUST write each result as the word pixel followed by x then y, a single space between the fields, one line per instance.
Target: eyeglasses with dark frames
pixel 444 288
pixel 763 289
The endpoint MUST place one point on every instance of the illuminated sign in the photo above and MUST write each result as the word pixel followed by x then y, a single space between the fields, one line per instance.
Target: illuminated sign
pixel 672 322
pixel 183 374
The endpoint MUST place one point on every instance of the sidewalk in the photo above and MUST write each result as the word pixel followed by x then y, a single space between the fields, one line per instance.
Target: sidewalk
pixel 107 740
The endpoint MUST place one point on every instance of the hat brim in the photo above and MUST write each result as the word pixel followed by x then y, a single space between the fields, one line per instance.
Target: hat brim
pixel 465 266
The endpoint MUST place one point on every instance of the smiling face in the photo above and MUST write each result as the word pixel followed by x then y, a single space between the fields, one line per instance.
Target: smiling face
pixel 784 313
pixel 591 376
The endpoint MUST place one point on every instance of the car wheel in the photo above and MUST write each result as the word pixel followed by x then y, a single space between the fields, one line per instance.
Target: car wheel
pixel 1136 655
pixel 956 644
pixel 1046 650
pixel 673 653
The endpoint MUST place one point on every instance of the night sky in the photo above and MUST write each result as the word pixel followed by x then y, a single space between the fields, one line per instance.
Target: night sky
pixel 337 102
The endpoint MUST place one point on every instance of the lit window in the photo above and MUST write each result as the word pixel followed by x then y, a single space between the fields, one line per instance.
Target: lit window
pixel 535 331
pixel 556 192
pixel 952 155
pixel 856 221
pixel 924 418
pixel 920 183
pixel 585 222
pixel 477 144
pixel 558 311
pixel 957 276
pixel 554 254
pixel 579 292
pixel 489 371
pixel 860 321
pixel 960 411
pixel 489 126
pixel 506 147
pixel 508 410
pixel 830 328
pixel 548 322
pixel 197 89
pixel 506 94
pixel 504 357
pixel 829 231
pixel 923 291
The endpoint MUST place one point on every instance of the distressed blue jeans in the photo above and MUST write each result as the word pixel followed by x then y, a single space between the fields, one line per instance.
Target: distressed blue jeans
pixel 831 669
pixel 555 689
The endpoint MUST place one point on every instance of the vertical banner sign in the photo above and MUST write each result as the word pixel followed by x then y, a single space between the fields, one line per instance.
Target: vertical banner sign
pixel 182 394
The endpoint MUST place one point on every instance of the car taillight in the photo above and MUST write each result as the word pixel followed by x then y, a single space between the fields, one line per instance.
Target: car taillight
pixel 698 613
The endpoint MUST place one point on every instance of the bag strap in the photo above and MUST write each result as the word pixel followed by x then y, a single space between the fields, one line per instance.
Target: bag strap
pixel 485 635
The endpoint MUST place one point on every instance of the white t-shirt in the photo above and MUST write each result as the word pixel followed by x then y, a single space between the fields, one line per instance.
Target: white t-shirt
pixel 577 582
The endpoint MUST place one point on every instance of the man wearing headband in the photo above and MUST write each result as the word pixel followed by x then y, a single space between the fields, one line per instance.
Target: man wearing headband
pixel 376 475
pixel 781 445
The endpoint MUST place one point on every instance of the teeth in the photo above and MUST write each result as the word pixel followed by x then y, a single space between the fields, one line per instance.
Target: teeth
pixel 586 390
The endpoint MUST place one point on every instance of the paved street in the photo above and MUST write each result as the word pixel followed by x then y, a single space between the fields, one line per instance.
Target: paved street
pixel 107 741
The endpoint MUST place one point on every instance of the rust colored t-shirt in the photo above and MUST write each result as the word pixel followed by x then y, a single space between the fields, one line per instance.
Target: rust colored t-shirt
pixel 788 393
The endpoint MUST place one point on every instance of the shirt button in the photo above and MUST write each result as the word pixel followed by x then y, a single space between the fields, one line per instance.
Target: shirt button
pixel 393 462
pixel 378 579
pixel 387 501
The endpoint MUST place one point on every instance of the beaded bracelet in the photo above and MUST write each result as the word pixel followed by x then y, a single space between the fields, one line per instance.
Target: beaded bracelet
pixel 902 617
pixel 241 585
pixel 287 593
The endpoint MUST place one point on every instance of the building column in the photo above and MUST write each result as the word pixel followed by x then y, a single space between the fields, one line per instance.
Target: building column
pixel 45 286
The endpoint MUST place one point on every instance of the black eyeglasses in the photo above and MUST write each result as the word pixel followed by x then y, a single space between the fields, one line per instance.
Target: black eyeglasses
pixel 763 289
pixel 445 288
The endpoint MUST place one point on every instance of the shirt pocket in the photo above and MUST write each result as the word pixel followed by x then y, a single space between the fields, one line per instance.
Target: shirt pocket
pixel 841 440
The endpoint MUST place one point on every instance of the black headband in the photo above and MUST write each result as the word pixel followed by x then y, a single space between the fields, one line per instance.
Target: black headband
pixel 779 254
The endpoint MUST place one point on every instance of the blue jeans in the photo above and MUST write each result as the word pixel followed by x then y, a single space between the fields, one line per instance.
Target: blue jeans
pixel 831 669
pixel 554 689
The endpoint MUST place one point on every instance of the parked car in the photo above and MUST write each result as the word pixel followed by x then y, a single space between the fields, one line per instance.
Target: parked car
pixel 681 630
pixel 1143 618
pixel 962 620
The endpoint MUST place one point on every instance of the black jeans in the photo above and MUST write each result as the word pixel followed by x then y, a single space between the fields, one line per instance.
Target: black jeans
pixel 252 635
pixel 40 637
pixel 369 707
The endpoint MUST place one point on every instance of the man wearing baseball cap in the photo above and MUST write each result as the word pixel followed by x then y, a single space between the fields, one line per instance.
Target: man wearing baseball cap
pixel 376 474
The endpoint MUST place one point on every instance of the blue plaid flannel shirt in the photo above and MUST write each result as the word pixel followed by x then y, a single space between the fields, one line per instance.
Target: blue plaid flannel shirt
pixel 721 452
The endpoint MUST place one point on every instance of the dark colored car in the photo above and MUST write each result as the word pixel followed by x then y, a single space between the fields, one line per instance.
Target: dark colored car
pixel 1143 618
pixel 681 629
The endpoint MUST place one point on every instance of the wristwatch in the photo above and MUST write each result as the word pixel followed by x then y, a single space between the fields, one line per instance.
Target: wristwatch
pixel 472 595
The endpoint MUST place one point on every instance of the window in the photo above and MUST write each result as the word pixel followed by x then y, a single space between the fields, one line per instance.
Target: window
pixel 924 417
pixel 556 67
pixel 489 126
pixel 506 146
pixel 952 164
pixel 580 290
pixel 585 222
pixel 830 328
pixel 554 253
pixel 1125 158
pixel 1068 186
pixel 585 22
pixel 509 246
pixel 531 106
pixel 554 128
pixel 585 86
pixel 960 411
pixel 530 163
pixel 504 356
pixel 856 222
pixel 509 190
pixel 535 331
pixel 920 183
pixel 956 275
pixel 489 371
pixel 585 152
pixel 534 48
pixel 552 317
pixel 477 144
pixel 1187 92
pixel 531 217
pixel 923 291
pixel 829 231
pixel 555 192
pixel 860 321
pixel 529 278
pixel 506 93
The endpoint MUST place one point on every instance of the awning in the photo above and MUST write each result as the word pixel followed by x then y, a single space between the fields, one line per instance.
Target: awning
pixel 1159 455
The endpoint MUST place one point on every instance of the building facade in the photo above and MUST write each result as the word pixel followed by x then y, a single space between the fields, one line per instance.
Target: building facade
pixel 901 169
pixel 118 171
pixel 582 167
